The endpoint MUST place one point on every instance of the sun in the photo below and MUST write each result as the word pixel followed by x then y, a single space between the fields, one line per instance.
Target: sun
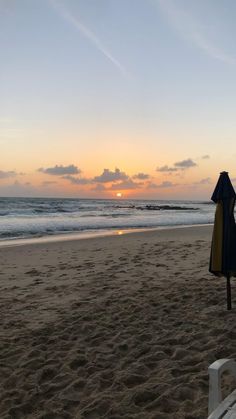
pixel 119 194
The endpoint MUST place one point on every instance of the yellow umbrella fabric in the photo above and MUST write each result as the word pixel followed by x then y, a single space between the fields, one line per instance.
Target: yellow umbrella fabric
pixel 223 247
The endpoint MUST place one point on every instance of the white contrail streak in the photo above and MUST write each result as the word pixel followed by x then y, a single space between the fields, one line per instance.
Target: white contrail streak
pixel 188 28
pixel 87 33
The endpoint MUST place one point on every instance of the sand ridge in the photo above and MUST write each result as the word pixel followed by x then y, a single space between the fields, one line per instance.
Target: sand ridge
pixel 119 327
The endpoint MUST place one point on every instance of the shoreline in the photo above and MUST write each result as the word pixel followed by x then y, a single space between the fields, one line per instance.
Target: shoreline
pixel 90 235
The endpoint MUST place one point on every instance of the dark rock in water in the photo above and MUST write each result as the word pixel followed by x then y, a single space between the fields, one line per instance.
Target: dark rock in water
pixel 166 207
pixel 124 206
pixel 172 207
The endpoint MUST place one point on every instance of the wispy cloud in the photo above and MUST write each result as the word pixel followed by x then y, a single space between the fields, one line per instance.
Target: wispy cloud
pixel 48 183
pixel 77 181
pixel 7 174
pixel 125 185
pixel 191 30
pixel 205 181
pixel 19 189
pixel 165 184
pixel 99 188
pixel 167 169
pixel 10 128
pixel 87 33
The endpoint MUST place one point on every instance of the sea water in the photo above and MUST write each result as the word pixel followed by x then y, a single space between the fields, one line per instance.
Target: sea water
pixel 22 218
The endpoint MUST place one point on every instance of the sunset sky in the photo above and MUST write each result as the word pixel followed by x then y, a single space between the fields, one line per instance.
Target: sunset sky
pixel 99 97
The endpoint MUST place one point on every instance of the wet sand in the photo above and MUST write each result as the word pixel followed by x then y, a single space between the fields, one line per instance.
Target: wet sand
pixel 112 327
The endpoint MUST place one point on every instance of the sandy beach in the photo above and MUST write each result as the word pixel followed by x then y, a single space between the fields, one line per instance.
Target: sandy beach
pixel 114 327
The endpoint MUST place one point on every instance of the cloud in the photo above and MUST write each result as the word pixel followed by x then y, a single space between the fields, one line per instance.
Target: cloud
pixel 185 164
pixel 87 33
pixel 180 165
pixel 99 188
pixel 48 183
pixel 165 184
pixel 77 181
pixel 61 170
pixel 18 189
pixel 141 176
pixel 205 157
pixel 191 30
pixel 6 175
pixel 166 169
pixel 205 181
pixel 109 176
pixel 151 185
pixel 127 184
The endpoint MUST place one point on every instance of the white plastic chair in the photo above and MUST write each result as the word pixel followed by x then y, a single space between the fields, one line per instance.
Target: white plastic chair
pixel 218 409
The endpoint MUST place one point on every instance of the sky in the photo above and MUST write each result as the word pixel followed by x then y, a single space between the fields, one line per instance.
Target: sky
pixel 107 97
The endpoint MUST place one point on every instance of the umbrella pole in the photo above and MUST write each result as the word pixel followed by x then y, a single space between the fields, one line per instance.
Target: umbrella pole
pixel 228 293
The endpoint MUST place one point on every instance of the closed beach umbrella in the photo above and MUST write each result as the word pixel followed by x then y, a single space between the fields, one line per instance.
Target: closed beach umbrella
pixel 223 247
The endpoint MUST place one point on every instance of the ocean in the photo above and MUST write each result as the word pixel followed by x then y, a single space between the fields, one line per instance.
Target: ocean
pixel 24 218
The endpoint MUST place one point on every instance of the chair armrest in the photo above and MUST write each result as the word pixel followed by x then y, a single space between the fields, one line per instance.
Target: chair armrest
pixel 215 371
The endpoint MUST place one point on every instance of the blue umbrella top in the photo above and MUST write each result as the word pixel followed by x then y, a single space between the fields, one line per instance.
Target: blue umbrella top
pixel 224 189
